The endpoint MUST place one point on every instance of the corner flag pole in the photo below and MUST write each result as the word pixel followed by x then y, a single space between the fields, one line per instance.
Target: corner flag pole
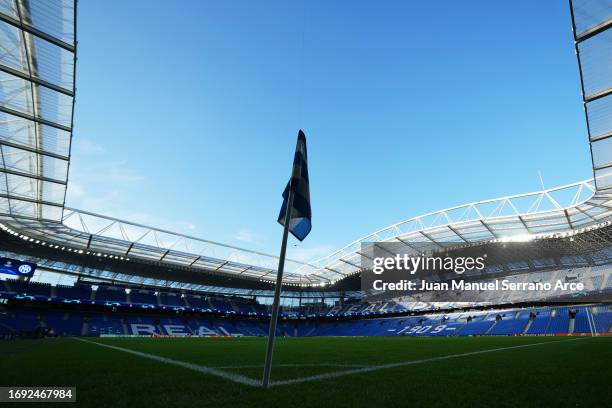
pixel 277 291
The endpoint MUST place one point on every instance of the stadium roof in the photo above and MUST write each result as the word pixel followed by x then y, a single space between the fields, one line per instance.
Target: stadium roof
pixel 591 22
pixel 37 74
pixel 36 100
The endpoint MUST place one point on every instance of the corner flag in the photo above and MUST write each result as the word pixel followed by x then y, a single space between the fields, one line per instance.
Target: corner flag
pixel 301 215
pixel 295 216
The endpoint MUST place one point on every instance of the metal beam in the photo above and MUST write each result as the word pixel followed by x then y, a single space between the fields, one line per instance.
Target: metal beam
pixel 522 220
pixel 605 207
pixel 32 176
pixel 601 136
pixel 567 217
pixel 488 228
pixel 598 95
pixel 593 31
pixel 36 80
pixel 364 255
pixel 185 236
pixel 585 213
pixel 28 200
pixel 36 32
pixel 423 233
pixel 244 270
pixel 34 119
pixel 381 248
pixel 407 244
pixel 457 233
pixel 33 150
pixel 164 255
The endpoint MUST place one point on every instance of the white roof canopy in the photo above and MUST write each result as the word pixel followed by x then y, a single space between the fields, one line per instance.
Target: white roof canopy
pixel 37 40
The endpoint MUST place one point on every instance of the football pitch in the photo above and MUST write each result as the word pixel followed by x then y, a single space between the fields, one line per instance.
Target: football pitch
pixel 318 371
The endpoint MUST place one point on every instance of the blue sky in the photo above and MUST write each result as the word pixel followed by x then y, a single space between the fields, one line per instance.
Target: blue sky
pixel 187 112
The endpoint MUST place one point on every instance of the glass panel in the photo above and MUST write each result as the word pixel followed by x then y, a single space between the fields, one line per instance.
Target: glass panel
pixel 600 116
pixel 28 162
pixel 8 7
pixel 590 13
pixel 21 131
pixel 602 152
pixel 12 54
pixel 53 64
pixel 603 178
pixel 54 106
pixel 54 17
pixel 596 60
pixel 16 93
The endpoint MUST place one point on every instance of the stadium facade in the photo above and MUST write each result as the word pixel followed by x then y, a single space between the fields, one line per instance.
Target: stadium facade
pixel 118 277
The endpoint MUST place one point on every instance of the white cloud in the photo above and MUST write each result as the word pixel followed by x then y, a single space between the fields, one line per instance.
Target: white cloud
pixel 105 185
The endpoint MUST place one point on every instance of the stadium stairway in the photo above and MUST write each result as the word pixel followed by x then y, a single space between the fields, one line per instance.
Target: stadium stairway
pixel 570 328
pixel 539 325
pixel 528 326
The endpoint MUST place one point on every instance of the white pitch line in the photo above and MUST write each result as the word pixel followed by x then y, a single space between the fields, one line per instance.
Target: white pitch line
pixel 363 369
pixel 406 363
pixel 203 369
pixel 295 365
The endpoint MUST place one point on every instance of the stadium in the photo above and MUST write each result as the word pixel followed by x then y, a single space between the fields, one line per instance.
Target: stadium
pixel 144 316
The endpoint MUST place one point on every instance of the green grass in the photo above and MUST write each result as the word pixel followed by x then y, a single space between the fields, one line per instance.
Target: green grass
pixel 559 373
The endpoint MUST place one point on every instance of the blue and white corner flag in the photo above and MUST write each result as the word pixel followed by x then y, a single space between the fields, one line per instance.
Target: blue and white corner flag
pixel 301 215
